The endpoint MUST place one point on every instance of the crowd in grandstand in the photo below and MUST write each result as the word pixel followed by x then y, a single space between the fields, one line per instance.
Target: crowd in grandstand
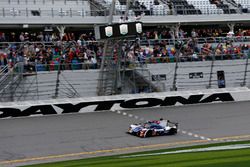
pixel 156 34
pixel 47 48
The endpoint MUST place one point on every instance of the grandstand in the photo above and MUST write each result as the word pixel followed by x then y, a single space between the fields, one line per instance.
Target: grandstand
pixel 52 52
pixel 18 13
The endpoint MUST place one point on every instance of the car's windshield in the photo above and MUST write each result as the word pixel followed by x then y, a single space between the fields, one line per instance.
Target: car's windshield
pixel 156 126
pixel 152 125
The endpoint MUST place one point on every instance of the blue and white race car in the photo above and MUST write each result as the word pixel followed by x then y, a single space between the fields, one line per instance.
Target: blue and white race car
pixel 154 128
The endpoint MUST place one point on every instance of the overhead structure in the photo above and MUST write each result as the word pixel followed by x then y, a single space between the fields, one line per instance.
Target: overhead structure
pixel 116 73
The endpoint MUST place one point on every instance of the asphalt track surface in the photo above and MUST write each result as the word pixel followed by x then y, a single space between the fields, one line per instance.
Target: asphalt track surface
pixel 61 137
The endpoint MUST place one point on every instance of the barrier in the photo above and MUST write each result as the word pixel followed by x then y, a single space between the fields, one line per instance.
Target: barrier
pixel 120 102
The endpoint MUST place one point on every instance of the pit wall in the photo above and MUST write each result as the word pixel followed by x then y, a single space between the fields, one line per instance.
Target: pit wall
pixel 121 102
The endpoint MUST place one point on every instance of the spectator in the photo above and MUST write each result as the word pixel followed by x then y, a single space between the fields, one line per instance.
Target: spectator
pixel 86 49
pixel 26 36
pixel 156 2
pixel 151 8
pixel 143 7
pixel 3 60
pixel 2 37
pixel 21 37
pixel 40 37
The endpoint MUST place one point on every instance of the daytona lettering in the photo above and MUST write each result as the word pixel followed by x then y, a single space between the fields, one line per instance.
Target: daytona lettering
pixel 107 105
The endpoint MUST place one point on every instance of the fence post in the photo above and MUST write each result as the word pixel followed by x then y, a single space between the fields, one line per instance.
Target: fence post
pixel 11 85
pixel 52 12
pixel 3 12
pixel 37 88
pixel 178 46
pixel 245 72
pixel 61 12
pixel 27 12
pixel 174 87
pixel 40 12
pixel 58 79
pixel 211 72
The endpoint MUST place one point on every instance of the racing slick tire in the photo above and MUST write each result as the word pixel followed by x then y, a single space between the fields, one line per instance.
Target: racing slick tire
pixel 148 133
pixel 172 131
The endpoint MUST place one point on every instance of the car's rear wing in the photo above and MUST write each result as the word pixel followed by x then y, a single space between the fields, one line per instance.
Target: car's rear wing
pixel 170 123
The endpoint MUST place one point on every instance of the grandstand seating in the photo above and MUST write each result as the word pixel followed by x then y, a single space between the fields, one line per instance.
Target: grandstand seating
pixel 161 9
pixel 45 8
pixel 194 6
pixel 205 6
pixel 225 6
pixel 83 83
pixel 74 80
pixel 35 7
pixel 183 7
pixel 243 3
pixel 188 6
pixel 99 5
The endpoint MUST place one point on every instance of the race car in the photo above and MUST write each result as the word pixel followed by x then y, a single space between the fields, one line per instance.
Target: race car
pixel 154 128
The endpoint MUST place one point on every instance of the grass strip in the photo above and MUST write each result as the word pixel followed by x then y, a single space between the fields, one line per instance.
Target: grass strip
pixel 227 158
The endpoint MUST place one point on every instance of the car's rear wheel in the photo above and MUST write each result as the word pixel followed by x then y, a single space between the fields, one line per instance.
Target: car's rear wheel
pixel 172 131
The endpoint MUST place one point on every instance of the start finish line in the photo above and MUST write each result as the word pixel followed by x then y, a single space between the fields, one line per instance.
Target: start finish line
pixel 84 105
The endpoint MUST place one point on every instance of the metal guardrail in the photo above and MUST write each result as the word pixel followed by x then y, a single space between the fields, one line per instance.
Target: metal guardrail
pixel 3 69
pixel 36 67
pixel 3 74
pixel 237 74
pixel 199 57
pixel 72 12
pixel 205 10
pixel 44 2
pixel 32 68
pixel 63 66
pixel 26 12
pixel 143 41
pixel 9 80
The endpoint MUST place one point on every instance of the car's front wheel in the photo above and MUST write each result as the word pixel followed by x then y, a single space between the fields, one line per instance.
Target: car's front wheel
pixel 148 133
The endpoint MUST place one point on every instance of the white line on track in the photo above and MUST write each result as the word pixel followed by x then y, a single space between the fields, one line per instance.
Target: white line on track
pixel 130 115
pixel 184 132
pixel 196 135
pixel 179 130
pixel 202 137
pixel 143 119
pixel 214 148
